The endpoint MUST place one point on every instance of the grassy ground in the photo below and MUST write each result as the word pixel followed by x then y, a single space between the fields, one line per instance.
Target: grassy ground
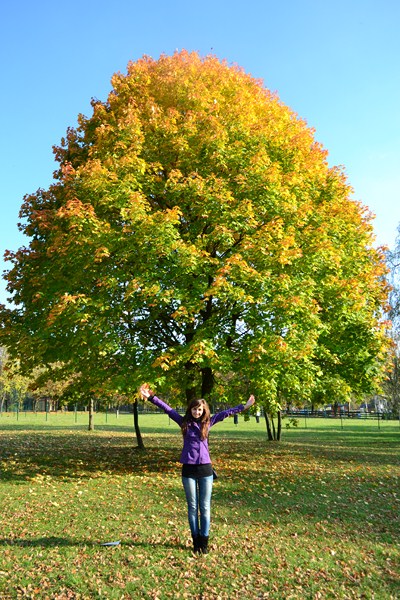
pixel 315 516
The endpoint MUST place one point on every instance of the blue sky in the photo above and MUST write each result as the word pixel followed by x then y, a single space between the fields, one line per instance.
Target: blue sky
pixel 335 63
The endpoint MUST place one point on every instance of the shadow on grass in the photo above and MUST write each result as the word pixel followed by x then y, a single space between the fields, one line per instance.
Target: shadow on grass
pixel 301 480
pixel 60 542
pixel 65 454
pixel 27 455
pixel 363 455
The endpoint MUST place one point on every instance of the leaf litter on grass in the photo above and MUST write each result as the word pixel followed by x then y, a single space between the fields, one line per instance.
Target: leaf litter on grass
pixel 288 521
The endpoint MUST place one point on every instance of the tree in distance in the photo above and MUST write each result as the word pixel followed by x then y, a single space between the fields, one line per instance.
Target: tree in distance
pixel 196 237
pixel 391 386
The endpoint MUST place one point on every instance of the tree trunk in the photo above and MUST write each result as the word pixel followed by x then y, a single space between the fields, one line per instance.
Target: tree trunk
pixel 207 381
pixel 91 415
pixel 269 432
pixel 274 434
pixel 273 428
pixel 137 429
pixel 190 387
pixel 279 425
pixel 190 394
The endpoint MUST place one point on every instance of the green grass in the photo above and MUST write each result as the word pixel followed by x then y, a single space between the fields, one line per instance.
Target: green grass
pixel 315 516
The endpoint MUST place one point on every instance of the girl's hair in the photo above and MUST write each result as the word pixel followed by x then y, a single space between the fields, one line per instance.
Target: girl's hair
pixel 204 421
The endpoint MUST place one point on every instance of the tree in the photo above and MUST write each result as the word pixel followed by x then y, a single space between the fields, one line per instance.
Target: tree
pixel 3 376
pixel 392 382
pixel 196 235
pixel 13 385
pixel 48 383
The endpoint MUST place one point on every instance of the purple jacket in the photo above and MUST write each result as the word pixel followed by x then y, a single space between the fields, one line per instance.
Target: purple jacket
pixel 195 450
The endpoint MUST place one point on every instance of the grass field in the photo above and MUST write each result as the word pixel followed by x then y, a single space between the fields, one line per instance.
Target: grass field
pixel 315 516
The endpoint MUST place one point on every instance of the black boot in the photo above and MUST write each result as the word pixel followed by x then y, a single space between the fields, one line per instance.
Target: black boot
pixel 204 544
pixel 196 543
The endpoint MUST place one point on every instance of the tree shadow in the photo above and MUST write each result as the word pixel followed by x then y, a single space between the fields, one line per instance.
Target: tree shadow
pixel 313 483
pixel 363 455
pixel 60 542
pixel 27 455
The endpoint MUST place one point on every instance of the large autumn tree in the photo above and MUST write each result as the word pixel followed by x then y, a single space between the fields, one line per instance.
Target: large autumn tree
pixel 195 236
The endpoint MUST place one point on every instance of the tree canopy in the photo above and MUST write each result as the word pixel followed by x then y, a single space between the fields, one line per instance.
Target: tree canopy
pixel 195 236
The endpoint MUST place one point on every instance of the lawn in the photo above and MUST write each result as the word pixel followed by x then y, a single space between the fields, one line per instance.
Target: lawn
pixel 315 516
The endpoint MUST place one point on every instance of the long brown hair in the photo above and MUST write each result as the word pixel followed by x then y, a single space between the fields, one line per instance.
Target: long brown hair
pixel 204 419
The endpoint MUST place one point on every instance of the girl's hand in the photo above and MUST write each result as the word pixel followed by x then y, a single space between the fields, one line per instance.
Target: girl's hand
pixel 146 391
pixel 249 402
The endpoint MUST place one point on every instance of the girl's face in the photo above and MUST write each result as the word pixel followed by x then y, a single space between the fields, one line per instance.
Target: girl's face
pixel 197 411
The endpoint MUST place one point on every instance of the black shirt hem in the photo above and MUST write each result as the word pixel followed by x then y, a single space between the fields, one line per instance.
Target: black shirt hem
pixel 197 471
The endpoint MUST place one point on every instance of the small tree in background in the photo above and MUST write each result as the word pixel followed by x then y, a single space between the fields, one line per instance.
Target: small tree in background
pixel 392 383
pixel 13 384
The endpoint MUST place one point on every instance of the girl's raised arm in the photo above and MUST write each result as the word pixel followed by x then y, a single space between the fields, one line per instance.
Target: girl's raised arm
pixel 173 414
pixel 218 417
pixel 249 402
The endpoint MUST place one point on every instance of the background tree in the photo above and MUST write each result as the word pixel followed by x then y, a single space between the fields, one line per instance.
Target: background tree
pixel 49 384
pixel 392 382
pixel 13 384
pixel 3 377
pixel 195 232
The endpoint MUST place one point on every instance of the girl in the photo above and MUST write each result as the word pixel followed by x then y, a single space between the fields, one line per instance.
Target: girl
pixel 197 472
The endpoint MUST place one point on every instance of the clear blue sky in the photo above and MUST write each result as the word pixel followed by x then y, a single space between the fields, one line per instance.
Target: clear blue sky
pixel 334 62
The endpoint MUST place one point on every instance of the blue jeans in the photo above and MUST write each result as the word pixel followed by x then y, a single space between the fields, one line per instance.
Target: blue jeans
pixel 198 497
